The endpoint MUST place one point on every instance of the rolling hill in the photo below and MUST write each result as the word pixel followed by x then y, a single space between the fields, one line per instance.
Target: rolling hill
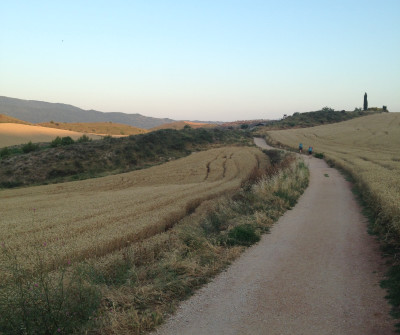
pixel 101 128
pixel 14 134
pixel 9 119
pixel 368 149
pixel 39 111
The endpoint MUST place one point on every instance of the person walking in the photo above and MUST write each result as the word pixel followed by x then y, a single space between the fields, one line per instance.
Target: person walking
pixel 300 147
pixel 310 148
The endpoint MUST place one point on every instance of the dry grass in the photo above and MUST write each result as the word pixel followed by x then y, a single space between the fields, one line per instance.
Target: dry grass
pixel 368 148
pixel 180 124
pixel 92 218
pixel 10 119
pixel 137 237
pixel 168 267
pixel 14 134
pixel 100 128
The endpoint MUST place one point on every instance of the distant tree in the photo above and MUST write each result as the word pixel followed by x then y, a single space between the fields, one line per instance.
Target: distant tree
pixel 327 109
pixel 28 147
pixel 365 102
pixel 5 152
pixel 83 138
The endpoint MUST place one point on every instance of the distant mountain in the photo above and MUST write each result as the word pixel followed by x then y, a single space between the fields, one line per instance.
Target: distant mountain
pixel 39 111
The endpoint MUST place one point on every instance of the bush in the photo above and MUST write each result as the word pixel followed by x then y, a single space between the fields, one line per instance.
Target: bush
pixel 243 234
pixel 319 155
pixel 275 156
pixel 58 141
pixel 5 152
pixel 83 138
pixel 29 147
pixel 67 140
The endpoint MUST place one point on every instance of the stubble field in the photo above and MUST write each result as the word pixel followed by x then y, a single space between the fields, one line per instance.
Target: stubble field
pixel 91 218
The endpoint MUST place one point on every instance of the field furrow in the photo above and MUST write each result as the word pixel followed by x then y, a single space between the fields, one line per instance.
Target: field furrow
pixel 91 218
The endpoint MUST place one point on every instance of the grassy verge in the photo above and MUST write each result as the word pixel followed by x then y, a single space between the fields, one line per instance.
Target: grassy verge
pixel 144 282
pixel 380 224
pixel 383 223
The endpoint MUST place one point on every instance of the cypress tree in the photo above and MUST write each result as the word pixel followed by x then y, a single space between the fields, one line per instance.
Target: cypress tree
pixel 365 102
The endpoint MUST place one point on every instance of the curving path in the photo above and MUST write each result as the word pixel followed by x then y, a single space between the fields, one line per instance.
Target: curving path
pixel 318 272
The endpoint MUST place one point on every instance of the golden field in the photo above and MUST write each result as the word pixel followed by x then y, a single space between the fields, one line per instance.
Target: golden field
pixel 92 218
pixel 15 133
pixel 368 148
pixel 10 119
pixel 100 128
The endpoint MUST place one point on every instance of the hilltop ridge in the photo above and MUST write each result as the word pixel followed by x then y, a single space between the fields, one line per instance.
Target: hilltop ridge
pixel 39 111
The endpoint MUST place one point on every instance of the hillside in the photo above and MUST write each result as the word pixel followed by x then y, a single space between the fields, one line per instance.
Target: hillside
pixel 368 149
pixel 39 111
pixel 181 124
pixel 9 119
pixel 101 128
pixel 107 156
pixel 310 119
pixel 14 134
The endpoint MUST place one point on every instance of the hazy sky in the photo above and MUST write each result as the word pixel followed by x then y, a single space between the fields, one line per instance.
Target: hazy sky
pixel 202 60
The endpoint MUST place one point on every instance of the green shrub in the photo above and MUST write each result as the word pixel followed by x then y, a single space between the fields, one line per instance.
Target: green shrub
pixel 5 152
pixel 275 156
pixel 319 155
pixel 58 141
pixel 244 234
pixel 29 147
pixel 67 140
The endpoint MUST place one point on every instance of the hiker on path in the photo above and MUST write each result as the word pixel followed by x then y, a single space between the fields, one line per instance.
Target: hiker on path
pixel 310 150
pixel 301 147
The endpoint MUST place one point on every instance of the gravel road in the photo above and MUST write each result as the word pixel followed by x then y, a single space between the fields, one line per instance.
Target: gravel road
pixel 318 272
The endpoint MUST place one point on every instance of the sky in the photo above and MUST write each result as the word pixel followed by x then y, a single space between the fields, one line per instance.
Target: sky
pixel 209 60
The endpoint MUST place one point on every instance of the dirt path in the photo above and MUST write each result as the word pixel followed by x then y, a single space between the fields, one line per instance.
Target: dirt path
pixel 318 272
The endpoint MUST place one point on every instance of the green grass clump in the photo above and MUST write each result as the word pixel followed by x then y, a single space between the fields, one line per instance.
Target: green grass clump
pixel 244 234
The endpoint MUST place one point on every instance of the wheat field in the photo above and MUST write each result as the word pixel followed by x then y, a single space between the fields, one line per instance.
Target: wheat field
pixel 91 218
pixel 15 133
pixel 368 148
